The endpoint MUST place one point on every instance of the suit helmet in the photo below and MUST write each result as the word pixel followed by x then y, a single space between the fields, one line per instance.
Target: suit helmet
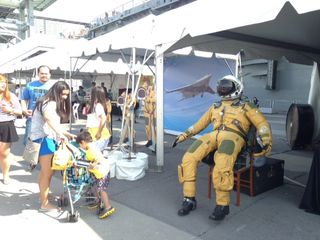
pixel 229 87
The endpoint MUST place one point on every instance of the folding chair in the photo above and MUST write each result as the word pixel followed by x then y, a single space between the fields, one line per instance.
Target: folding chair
pixel 75 110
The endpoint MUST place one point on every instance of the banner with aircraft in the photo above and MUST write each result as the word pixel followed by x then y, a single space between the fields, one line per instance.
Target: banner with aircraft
pixel 190 88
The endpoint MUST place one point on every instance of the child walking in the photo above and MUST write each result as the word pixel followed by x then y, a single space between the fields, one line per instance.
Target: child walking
pixel 100 168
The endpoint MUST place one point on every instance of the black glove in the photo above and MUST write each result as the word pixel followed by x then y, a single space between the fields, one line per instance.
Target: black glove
pixel 263 151
pixel 175 143
pixel 182 137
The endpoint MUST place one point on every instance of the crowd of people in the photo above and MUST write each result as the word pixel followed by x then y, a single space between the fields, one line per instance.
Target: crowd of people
pixel 46 106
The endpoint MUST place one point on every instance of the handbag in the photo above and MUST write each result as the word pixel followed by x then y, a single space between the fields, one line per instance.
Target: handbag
pixel 62 157
pixel 92 121
pixel 31 152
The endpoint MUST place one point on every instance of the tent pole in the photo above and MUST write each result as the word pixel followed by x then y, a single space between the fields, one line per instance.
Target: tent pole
pixel 159 109
pixel 70 78
pixel 133 67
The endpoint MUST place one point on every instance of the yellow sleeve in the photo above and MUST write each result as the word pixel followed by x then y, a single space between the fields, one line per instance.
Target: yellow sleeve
pixel 260 122
pixel 90 155
pixel 202 123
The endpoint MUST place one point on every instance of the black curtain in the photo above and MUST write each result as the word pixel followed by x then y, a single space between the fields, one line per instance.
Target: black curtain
pixel 310 201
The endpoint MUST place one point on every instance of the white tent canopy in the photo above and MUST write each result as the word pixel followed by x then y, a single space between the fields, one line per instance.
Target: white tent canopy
pixel 57 57
pixel 61 58
pixel 258 29
pixel 290 30
pixel 26 49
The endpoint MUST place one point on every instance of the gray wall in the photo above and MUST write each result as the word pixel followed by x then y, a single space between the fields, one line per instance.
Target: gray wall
pixel 292 84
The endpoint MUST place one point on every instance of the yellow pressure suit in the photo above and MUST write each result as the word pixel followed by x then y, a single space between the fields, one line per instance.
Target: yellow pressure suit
pixel 150 112
pixel 231 120
pixel 128 112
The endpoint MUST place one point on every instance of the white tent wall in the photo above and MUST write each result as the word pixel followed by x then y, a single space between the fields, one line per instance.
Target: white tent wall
pixel 113 82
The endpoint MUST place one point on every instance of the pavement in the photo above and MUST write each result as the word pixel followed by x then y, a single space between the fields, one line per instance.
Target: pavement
pixel 147 208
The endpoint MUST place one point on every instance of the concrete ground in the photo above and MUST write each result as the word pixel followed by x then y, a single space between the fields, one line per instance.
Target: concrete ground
pixel 147 208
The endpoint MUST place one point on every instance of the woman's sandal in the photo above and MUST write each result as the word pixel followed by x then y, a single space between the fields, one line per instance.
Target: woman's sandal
pixel 6 181
pixel 52 208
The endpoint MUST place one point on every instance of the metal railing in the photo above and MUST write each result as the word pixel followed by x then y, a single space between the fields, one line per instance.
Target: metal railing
pixel 118 12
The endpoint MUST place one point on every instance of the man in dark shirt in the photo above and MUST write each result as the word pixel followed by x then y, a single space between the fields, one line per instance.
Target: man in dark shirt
pixel 105 89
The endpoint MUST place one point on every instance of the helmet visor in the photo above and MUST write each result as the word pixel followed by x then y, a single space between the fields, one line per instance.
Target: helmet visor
pixel 225 87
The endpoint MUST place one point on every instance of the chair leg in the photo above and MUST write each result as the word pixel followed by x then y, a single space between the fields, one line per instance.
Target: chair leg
pixel 251 179
pixel 238 189
pixel 209 181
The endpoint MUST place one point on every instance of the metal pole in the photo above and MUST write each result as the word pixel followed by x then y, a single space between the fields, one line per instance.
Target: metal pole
pixel 133 67
pixel 159 109
pixel 70 78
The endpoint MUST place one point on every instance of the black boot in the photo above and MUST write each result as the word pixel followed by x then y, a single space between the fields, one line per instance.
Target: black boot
pixel 149 143
pixel 188 205
pixel 219 212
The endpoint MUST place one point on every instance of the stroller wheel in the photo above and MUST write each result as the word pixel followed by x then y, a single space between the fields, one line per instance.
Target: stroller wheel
pixel 73 217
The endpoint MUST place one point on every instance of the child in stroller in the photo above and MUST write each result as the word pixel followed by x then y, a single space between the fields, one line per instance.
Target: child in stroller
pixel 99 168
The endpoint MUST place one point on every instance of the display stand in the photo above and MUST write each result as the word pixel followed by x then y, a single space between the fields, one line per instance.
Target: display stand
pixel 129 165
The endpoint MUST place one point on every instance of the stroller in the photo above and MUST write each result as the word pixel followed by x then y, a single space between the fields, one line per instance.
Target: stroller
pixel 77 181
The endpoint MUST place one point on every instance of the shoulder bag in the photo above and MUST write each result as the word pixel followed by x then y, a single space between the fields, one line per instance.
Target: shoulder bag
pixel 31 152
pixel 62 157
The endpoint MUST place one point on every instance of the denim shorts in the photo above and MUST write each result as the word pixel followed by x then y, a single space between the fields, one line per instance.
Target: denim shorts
pixel 48 146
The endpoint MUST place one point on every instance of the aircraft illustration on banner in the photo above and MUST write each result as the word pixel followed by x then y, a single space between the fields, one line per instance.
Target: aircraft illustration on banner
pixel 198 87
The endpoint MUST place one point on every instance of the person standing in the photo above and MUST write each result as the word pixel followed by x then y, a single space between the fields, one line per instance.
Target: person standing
pixel 98 106
pixel 109 118
pixel 31 93
pixel 81 97
pixel 17 91
pixel 105 89
pixel 255 101
pixel 74 97
pixel 99 167
pixel 9 109
pixel 46 129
